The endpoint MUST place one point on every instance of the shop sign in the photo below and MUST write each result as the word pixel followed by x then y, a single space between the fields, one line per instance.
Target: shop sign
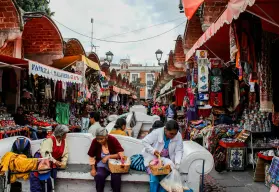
pixel 53 73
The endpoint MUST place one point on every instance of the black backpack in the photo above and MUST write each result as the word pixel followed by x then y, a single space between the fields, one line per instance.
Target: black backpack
pixel 22 145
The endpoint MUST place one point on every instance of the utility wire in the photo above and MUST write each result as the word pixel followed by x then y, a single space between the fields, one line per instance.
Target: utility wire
pixel 140 29
pixel 110 41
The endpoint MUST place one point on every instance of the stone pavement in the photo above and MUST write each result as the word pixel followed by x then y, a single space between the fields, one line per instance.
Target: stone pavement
pixel 233 182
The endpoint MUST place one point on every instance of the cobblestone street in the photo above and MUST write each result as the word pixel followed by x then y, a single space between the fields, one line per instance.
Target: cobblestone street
pixel 233 182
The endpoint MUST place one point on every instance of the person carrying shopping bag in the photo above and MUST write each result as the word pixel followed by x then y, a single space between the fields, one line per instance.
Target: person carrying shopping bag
pixel 167 144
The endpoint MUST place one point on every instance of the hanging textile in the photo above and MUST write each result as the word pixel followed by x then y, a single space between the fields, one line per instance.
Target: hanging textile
pixel 216 99
pixel 62 113
pixel 265 80
pixel 180 93
pixel 274 170
pixel 236 94
pixel 203 75
pixel 233 45
pixel 274 70
pixel 216 83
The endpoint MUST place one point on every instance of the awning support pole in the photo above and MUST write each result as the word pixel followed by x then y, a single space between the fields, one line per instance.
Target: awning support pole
pixel 264 13
pixel 69 65
pixel 9 65
pixel 271 22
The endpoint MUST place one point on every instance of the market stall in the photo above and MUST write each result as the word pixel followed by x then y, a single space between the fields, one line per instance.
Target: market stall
pixel 232 95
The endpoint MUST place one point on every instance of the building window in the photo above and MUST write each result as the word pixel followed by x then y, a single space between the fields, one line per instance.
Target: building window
pixel 135 77
pixel 150 79
pixel 149 93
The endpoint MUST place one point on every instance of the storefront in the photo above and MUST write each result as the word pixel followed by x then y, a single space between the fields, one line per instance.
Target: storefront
pixel 232 95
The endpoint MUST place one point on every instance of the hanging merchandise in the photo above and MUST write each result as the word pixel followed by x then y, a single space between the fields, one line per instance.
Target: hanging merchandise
pixel 265 73
pixel 201 54
pixel 216 99
pixel 216 83
pixel 202 75
pixel 215 63
pixel 62 113
pixel 233 44
pixel 274 170
pixel 236 94
pixel 58 91
pixel 203 96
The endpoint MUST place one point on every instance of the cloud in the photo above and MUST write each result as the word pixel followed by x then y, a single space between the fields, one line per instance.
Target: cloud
pixel 119 16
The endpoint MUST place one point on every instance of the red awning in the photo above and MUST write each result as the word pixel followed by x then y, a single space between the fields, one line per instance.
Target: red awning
pixel 179 81
pixel 190 7
pixel 14 61
pixel 233 10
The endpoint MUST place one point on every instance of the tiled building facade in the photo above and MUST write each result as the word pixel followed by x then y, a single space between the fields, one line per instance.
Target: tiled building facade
pixel 133 72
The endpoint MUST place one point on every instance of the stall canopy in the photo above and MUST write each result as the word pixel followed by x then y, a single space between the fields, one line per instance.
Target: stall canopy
pixel 173 83
pixel 48 72
pixel 216 37
pixel 7 60
pixel 70 60
pixel 190 7
pixel 120 91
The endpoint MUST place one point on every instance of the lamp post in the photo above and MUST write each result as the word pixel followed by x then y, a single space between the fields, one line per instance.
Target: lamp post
pixel 180 6
pixel 109 57
pixel 159 54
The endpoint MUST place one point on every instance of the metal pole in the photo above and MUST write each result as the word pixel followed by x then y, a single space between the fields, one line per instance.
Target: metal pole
pixel 202 182
pixel 271 22
pixel 92 46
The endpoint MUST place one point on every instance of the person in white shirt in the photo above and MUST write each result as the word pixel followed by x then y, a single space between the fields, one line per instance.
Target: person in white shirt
pixel 94 120
pixel 166 143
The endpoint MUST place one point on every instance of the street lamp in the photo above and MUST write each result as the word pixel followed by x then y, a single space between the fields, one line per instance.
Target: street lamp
pixel 159 54
pixel 109 57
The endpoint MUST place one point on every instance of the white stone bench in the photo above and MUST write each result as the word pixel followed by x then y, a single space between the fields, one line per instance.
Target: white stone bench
pixel 77 177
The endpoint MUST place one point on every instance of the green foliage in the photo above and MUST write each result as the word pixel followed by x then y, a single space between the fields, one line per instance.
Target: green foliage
pixel 35 6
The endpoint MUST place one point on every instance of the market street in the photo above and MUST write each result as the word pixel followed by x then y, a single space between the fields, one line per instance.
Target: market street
pixel 139 96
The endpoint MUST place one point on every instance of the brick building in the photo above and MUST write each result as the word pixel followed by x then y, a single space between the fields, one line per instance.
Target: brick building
pixel 147 75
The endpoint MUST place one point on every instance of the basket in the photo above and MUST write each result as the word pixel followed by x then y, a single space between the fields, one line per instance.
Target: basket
pixel 116 166
pixel 159 169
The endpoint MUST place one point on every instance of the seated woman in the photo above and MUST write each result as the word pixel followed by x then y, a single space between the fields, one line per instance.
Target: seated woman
pixel 165 142
pixel 119 127
pixel 56 149
pixel 103 148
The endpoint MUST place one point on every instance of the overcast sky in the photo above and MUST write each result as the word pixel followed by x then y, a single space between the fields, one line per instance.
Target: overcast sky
pixel 112 17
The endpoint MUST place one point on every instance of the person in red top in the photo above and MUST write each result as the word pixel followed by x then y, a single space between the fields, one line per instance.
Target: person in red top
pixel 55 148
pixel 103 148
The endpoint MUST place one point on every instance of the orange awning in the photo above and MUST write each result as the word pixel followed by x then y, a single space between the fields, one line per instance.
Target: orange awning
pixel 70 60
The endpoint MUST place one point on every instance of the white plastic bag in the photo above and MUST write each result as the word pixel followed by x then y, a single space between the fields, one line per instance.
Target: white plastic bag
pixel 172 182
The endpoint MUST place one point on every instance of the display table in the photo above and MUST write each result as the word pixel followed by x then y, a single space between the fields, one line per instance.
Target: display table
pixel 260 172
pixel 235 155
pixel 15 132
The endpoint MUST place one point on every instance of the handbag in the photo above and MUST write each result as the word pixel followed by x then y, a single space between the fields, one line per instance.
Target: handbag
pixel 137 163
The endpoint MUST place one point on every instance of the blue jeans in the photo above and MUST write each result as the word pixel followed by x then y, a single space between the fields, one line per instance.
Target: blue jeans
pixel 155 183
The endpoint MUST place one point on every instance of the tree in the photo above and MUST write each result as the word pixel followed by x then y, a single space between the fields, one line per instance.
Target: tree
pixel 35 6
